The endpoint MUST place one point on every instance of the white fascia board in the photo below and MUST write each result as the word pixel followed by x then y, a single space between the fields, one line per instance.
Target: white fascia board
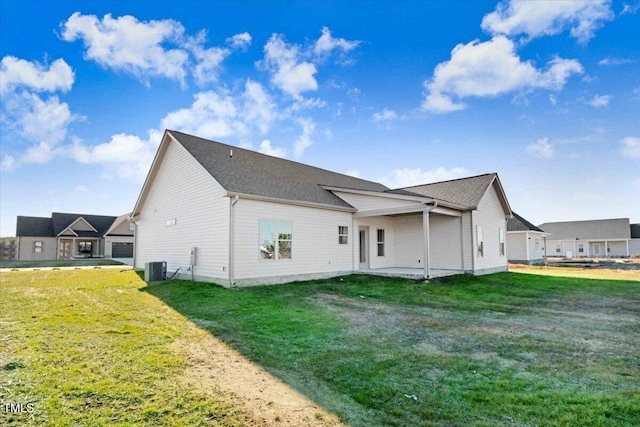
pixel 377 194
pixel 232 194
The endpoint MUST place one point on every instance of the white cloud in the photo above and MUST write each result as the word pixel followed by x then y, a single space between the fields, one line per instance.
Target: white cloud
pixel 15 72
pixel 630 147
pixel 407 177
pixel 630 9
pixel 8 163
pixel 81 189
pixel 239 41
pixel 267 148
pixel 29 117
pixel 549 17
pixel 492 68
pixel 599 101
pixel 259 109
pixel 385 115
pixel 354 173
pixel 208 64
pixel 147 49
pixel 541 149
pixel 304 141
pixel 128 45
pixel 293 67
pixel 212 115
pixel 326 44
pixel 613 61
pixel 553 100
pixel 289 73
pixel 126 156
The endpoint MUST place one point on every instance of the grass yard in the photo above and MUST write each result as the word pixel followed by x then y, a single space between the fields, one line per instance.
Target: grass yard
pixel 98 347
pixel 59 263
pixel 88 348
pixel 498 350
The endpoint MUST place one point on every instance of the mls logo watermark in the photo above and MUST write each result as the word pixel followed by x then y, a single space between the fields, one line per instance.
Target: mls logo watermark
pixel 18 408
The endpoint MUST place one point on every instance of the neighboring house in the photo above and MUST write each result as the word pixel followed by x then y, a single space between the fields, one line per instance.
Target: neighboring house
pixel 525 241
pixel 594 238
pixel 65 236
pixel 241 218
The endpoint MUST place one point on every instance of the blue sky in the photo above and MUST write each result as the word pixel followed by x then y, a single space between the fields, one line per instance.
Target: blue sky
pixel 547 94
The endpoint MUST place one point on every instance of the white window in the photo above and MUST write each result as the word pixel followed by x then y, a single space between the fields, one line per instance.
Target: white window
pixel 132 226
pixel 480 241
pixel 343 235
pixel 276 240
pixel 501 240
pixel 171 222
pixel 558 248
pixel 580 248
pixel 38 246
pixel 380 242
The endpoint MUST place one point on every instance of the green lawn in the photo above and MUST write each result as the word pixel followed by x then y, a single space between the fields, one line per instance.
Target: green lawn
pixel 88 262
pixel 88 348
pixel 97 347
pixel 505 349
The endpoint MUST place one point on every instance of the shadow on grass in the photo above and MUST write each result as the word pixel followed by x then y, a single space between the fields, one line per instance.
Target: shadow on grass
pixel 462 350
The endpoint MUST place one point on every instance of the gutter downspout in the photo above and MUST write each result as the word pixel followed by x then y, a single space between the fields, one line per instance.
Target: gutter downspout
pixel 232 203
pixel 425 232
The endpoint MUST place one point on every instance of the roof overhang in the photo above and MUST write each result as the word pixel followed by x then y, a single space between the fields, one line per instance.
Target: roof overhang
pixel 419 199
pixel 233 194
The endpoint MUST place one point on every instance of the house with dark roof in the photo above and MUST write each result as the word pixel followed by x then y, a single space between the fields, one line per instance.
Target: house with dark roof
pixel 525 241
pixel 232 216
pixel 67 235
pixel 592 238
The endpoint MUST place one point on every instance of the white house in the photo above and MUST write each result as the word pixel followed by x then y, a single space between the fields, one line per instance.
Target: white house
pixel 592 238
pixel 525 241
pixel 236 217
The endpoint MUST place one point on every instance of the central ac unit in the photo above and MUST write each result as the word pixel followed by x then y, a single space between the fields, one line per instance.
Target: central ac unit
pixel 155 271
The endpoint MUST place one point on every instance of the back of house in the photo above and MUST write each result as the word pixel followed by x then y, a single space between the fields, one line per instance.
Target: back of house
pixel 236 217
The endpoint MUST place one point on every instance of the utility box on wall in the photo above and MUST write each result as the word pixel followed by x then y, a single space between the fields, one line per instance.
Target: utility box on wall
pixel 192 256
pixel 155 271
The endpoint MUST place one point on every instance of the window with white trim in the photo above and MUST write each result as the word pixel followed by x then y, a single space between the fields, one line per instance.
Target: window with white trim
pixel 171 222
pixel 380 242
pixel 501 240
pixel 558 248
pixel 276 239
pixel 38 246
pixel 343 235
pixel 580 248
pixel 480 239
pixel 132 226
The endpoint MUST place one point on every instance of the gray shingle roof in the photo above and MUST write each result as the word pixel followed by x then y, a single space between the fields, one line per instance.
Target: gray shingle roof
pixel 51 227
pixel 100 222
pixel 518 223
pixel 257 174
pixel 617 228
pixel 34 226
pixel 464 191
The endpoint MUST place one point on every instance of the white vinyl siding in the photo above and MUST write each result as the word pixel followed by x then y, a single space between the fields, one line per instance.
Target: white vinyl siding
pixel 491 216
pixel 313 246
pixel 183 190
pixel 525 246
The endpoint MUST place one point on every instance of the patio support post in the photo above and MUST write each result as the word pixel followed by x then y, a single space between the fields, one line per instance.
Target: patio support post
pixel 425 233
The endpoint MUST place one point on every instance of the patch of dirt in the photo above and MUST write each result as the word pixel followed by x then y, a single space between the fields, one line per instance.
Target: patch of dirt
pixel 215 368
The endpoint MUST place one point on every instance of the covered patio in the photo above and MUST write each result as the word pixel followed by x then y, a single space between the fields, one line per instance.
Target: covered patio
pixel 409 273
